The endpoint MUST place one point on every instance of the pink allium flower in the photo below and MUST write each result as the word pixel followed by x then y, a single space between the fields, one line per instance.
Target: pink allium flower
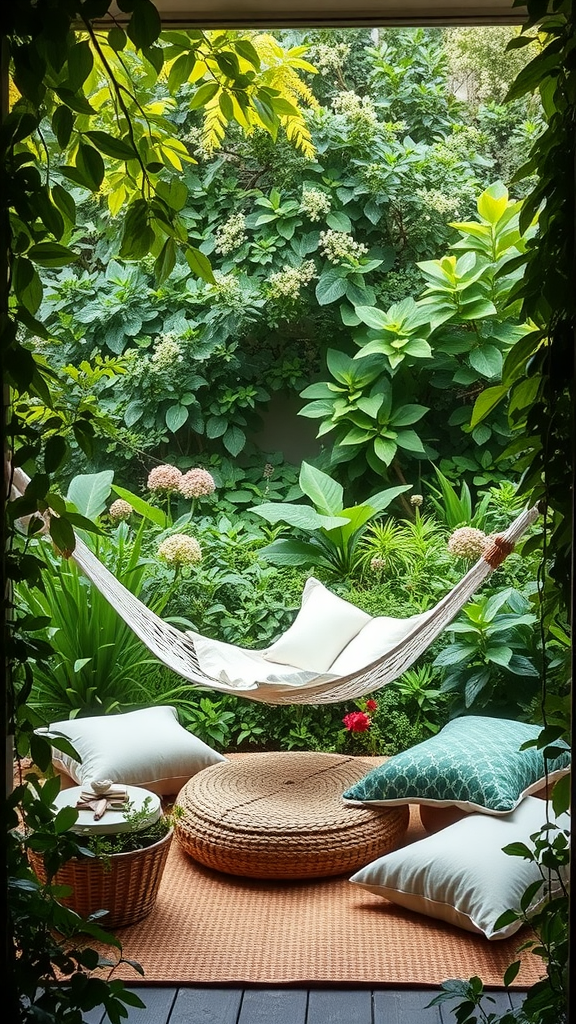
pixel 120 510
pixel 164 478
pixel 371 705
pixel 179 549
pixel 197 483
pixel 357 721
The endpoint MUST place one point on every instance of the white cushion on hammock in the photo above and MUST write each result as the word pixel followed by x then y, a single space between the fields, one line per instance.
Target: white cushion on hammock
pixel 323 626
pixel 376 638
pixel 241 668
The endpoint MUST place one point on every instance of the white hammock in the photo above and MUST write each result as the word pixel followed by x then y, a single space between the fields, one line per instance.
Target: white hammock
pixel 178 650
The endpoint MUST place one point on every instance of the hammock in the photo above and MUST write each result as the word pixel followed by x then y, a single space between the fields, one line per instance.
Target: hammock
pixel 179 650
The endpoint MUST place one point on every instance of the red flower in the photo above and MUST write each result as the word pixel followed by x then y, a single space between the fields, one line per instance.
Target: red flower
pixel 357 721
pixel 371 705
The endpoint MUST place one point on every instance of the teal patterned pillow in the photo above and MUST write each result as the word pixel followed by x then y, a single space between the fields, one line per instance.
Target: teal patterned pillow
pixel 474 763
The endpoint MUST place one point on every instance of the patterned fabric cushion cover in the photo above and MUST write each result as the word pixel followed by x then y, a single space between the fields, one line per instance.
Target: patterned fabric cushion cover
pixel 474 762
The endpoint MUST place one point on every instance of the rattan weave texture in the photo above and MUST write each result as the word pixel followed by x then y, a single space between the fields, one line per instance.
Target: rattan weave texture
pixel 281 815
pixel 124 884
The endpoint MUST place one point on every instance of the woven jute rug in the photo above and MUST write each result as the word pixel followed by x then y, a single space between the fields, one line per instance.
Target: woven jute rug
pixel 209 927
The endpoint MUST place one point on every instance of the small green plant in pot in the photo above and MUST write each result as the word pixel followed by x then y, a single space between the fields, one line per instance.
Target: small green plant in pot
pixel 114 875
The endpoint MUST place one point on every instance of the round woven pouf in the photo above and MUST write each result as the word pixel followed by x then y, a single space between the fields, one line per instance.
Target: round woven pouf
pixel 281 815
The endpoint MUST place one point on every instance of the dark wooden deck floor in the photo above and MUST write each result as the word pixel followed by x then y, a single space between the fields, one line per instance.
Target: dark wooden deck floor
pixel 166 1004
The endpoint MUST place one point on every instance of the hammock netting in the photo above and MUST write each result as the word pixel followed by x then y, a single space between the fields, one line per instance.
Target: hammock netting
pixel 177 649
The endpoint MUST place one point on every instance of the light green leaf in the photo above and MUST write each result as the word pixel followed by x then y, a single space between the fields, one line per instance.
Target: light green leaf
pixel 89 492
pixel 325 493
pixel 147 511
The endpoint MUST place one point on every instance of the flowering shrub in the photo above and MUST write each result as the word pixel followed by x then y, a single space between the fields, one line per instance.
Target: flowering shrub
pixel 339 247
pixel 164 479
pixel 197 483
pixel 314 203
pixel 467 542
pixel 286 283
pixel 231 234
pixel 167 352
pixel 120 510
pixel 179 550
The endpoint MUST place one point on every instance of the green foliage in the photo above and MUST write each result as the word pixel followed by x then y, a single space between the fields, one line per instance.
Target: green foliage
pixel 489 664
pixel 336 531
pixel 455 334
pixel 49 936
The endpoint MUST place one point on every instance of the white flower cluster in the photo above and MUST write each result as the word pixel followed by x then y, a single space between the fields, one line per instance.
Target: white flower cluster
pixel 179 549
pixel 194 139
pixel 286 283
pixel 467 542
pixel 228 289
pixel 436 200
pixel 359 109
pixel 340 247
pixel 314 203
pixel 328 57
pixel 166 353
pixel 231 234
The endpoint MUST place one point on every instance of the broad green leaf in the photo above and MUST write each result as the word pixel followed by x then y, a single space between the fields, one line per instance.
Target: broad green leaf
pixel 117 149
pixel 487 360
pixel 331 286
pixel 145 24
pixel 147 511
pixel 339 221
pixel 234 440
pixel 409 440
pixel 176 416
pixel 326 494
pixel 293 552
pixel 51 254
pixel 203 95
pixel 301 516
pixel 89 492
pixel 486 402
pixel 384 450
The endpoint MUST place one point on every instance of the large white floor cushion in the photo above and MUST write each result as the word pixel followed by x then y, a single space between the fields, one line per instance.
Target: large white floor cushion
pixel 147 748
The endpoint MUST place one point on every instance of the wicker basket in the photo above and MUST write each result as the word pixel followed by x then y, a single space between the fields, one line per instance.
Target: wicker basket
pixel 124 884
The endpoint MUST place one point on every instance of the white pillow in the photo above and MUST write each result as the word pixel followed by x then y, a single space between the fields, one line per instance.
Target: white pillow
pixel 461 874
pixel 244 669
pixel 376 638
pixel 323 626
pixel 147 748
